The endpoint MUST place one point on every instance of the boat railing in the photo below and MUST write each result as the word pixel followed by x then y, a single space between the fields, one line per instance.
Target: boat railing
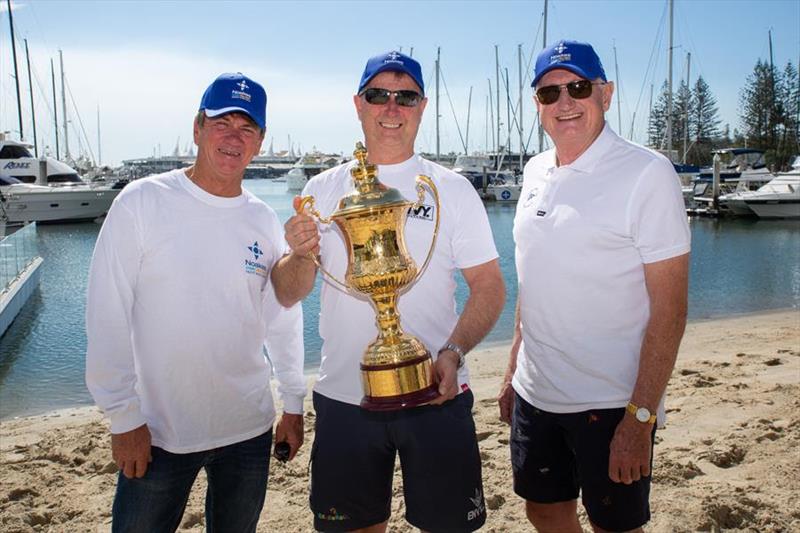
pixel 18 250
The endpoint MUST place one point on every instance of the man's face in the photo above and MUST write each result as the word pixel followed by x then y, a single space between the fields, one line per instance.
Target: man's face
pixel 569 121
pixel 390 128
pixel 227 144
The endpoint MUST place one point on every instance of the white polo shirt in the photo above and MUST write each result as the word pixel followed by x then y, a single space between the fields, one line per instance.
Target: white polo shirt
pixel 583 233
pixel 428 308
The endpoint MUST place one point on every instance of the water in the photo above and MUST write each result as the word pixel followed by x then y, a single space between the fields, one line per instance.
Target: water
pixel 738 266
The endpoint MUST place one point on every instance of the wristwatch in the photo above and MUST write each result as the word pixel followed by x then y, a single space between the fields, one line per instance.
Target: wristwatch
pixel 456 349
pixel 642 414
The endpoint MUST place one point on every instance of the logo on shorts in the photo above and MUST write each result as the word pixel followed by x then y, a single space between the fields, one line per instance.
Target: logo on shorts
pixel 332 515
pixel 480 508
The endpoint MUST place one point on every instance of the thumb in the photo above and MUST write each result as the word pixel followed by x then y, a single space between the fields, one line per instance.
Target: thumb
pixel 296 203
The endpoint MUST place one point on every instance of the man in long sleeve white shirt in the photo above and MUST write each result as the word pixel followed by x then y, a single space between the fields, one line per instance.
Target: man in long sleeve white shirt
pixel 179 309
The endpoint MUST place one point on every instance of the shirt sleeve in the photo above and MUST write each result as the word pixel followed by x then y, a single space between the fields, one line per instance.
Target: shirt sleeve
pixel 110 371
pixel 285 349
pixel 473 243
pixel 284 338
pixel 657 216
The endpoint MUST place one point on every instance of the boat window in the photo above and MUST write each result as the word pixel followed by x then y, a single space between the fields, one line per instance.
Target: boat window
pixel 64 178
pixel 12 151
pixel 8 180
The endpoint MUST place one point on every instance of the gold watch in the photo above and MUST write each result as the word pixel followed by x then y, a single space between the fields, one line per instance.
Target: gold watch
pixel 642 414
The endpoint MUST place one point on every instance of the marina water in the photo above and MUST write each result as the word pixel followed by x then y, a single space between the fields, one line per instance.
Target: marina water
pixel 738 266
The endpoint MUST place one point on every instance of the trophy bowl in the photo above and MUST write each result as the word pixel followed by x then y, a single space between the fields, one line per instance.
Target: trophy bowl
pixel 397 368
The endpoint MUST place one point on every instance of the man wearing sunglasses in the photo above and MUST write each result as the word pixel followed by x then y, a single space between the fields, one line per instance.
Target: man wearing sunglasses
pixel 355 450
pixel 602 255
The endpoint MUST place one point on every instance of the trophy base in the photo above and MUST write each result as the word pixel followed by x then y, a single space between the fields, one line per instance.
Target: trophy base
pixel 391 387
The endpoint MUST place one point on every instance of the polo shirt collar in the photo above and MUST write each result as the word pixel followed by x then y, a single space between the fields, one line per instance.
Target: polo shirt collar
pixel 589 159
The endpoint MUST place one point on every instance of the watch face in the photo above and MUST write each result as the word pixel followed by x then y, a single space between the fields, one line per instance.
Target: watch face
pixel 642 414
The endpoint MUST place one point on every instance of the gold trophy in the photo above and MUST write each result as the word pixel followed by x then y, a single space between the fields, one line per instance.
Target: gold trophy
pixel 397 369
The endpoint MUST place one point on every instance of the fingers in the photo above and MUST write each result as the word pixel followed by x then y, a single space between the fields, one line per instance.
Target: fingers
pixel 302 235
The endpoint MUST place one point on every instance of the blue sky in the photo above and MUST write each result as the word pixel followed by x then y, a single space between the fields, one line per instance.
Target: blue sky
pixel 146 63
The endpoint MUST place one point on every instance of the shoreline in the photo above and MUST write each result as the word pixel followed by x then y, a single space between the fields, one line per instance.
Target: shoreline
pixel 733 429
pixel 478 352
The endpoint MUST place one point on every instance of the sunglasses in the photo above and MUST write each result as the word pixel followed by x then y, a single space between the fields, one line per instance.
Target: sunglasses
pixel 377 96
pixel 578 89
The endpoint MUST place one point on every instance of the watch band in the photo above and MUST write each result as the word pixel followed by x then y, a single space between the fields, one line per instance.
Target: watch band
pixel 456 349
pixel 639 413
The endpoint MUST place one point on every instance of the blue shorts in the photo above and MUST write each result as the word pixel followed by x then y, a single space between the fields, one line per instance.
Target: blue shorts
pixel 555 456
pixel 353 458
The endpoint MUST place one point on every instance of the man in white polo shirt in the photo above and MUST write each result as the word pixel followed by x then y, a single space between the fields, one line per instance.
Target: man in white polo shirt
pixel 354 449
pixel 602 254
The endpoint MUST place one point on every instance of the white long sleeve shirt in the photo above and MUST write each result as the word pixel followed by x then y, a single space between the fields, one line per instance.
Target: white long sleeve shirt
pixel 179 308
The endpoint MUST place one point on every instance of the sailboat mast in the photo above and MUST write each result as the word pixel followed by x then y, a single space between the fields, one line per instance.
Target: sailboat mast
pixel 669 86
pixel 616 75
pixel 520 114
pixel 686 115
pixel 544 45
pixel 16 72
pixel 497 87
pixel 469 112
pixel 55 108
pixel 99 151
pixel 64 106
pixel 438 56
pixel 30 89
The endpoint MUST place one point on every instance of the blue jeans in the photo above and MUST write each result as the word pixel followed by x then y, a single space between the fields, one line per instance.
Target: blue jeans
pixel 237 484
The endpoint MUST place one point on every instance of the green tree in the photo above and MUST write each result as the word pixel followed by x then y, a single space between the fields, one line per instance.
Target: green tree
pixel 657 124
pixel 704 128
pixel 682 118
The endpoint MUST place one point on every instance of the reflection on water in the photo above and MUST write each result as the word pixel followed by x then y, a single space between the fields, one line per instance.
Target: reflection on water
pixel 737 266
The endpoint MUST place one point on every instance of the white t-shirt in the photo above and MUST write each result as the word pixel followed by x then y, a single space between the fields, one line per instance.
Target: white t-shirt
pixel 583 233
pixel 428 308
pixel 179 306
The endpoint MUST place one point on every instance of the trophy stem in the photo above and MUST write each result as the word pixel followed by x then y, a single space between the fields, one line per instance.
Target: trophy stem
pixel 387 318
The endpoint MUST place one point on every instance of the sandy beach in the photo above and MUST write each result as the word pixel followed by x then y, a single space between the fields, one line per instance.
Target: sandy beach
pixel 728 460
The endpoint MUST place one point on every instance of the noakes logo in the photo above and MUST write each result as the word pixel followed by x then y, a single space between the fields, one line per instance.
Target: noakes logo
pixel 333 515
pixel 254 267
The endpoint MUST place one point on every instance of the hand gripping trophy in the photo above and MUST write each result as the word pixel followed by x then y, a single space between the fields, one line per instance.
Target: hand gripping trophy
pixel 397 369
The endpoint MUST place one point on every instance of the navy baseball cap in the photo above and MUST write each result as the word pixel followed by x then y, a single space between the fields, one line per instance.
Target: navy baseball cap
pixel 577 57
pixel 394 62
pixel 234 92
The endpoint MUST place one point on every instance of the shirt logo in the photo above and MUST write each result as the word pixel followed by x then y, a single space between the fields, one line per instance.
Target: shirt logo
pixel 531 195
pixel 255 249
pixel 423 212
pixel 254 267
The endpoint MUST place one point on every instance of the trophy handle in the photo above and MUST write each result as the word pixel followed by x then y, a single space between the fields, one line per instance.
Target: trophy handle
pixel 420 198
pixel 313 213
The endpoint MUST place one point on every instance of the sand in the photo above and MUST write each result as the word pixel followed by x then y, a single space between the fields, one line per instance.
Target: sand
pixel 728 460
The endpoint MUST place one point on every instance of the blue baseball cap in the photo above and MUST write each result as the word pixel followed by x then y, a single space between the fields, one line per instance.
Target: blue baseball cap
pixel 234 92
pixel 577 57
pixel 394 62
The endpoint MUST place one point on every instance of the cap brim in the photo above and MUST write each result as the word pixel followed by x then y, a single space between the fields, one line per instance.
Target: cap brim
pixel 572 68
pixel 212 113
pixel 389 67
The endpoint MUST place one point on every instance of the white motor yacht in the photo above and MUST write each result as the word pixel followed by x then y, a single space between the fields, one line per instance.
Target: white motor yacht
pixel 306 168
pixel 780 198
pixel 26 195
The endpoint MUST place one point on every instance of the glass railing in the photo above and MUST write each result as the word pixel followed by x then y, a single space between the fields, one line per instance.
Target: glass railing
pixel 17 251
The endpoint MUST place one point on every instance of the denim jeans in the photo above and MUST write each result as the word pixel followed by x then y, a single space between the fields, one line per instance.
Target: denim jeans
pixel 237 484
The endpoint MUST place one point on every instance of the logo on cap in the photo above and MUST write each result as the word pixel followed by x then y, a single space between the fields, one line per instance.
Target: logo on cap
pixel 560 56
pixel 242 85
pixel 393 58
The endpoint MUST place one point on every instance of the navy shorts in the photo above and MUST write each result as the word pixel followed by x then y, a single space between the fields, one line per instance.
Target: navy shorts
pixel 353 458
pixel 555 456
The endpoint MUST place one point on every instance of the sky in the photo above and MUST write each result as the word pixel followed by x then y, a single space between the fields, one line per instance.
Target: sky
pixel 142 66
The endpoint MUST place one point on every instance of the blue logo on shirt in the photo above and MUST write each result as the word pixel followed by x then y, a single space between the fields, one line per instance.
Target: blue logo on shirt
pixel 256 250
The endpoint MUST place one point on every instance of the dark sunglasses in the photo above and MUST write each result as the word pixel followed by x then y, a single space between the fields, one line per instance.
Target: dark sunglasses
pixel 377 96
pixel 578 89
